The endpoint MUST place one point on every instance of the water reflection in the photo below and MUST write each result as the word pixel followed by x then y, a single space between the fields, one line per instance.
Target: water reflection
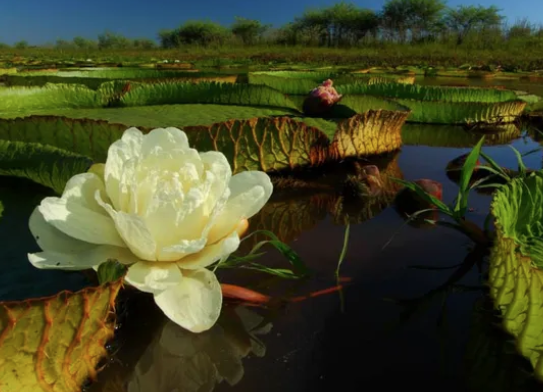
pixel 177 360
pixel 458 136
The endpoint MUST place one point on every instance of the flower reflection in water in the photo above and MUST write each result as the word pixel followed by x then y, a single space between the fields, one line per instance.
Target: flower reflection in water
pixel 181 361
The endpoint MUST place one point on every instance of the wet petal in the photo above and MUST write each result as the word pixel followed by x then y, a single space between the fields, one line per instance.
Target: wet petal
pixel 80 222
pixel 133 231
pixel 164 140
pixel 49 238
pixel 250 191
pixel 211 253
pixel 81 259
pixel 153 277
pixel 81 188
pixel 128 147
pixel 195 303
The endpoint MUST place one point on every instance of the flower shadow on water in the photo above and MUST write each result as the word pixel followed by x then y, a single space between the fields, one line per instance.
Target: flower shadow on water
pixel 181 361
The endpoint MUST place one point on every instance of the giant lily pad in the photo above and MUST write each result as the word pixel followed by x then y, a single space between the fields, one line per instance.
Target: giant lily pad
pixel 20 101
pixel 515 273
pixel 94 78
pixel 55 343
pixel 456 136
pixel 446 105
pixel 45 165
pixel 259 143
pixel 296 82
pixel 491 363
pixel 50 339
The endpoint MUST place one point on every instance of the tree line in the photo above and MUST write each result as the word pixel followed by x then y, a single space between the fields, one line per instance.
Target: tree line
pixel 340 25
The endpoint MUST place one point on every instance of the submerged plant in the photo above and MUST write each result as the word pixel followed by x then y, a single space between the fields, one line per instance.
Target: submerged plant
pixel 321 99
pixel 457 211
pixel 161 207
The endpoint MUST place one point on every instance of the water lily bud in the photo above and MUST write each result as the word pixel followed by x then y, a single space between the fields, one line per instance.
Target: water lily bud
pixel 321 99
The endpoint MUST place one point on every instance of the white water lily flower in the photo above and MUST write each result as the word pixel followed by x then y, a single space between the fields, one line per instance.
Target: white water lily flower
pixel 159 205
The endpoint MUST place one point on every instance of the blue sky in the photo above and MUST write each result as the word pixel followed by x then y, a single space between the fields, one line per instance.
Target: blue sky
pixel 40 21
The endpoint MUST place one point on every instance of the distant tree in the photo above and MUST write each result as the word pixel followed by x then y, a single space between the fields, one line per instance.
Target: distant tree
pixel 360 23
pixel 110 40
pixel 289 34
pixel 418 17
pixel 248 30
pixel 64 44
pixel 465 19
pixel 315 23
pixel 169 39
pixel 4 45
pixel 143 43
pixel 21 44
pixel 522 29
pixel 83 43
pixel 202 33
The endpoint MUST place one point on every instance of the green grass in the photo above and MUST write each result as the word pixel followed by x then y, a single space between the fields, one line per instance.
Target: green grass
pixel 509 56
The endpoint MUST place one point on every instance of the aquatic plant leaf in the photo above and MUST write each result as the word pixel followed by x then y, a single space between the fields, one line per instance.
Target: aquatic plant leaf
pixel 45 165
pixel 455 135
pixel 205 92
pixel 490 360
pixel 462 112
pixel 92 138
pixel 446 105
pixel 21 100
pixel 265 144
pixel 301 83
pixel 287 252
pixel 465 177
pixel 111 271
pixel 55 343
pixel 18 101
pixel 430 93
pixel 515 273
pixel 428 198
pixel 373 132
pixel 95 78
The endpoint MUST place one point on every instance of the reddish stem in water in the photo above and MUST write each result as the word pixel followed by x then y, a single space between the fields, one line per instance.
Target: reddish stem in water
pixel 255 298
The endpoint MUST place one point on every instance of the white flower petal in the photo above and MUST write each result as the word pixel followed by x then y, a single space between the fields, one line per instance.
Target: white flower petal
pixel 153 277
pixel 80 222
pixel 128 147
pixel 133 231
pixel 81 259
pixel 216 163
pixel 165 140
pixel 211 253
pixel 195 303
pixel 250 191
pixel 49 238
pixel 81 188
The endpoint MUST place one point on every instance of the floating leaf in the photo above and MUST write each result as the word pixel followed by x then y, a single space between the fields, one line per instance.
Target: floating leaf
pixel 446 105
pixel 111 271
pixel 515 273
pixel 18 101
pixel 46 165
pixel 263 144
pixel 455 135
pixel 55 343
pixel 374 132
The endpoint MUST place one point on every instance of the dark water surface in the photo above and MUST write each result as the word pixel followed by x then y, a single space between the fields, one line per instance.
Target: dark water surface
pixel 351 341
pixel 359 339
